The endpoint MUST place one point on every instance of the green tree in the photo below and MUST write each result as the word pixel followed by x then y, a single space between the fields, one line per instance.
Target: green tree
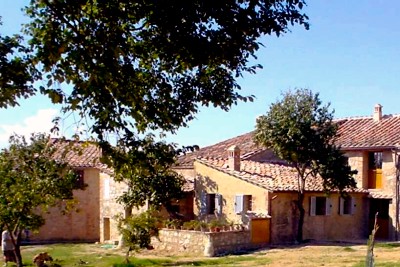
pixel 149 177
pixel 16 72
pixel 138 229
pixel 33 179
pixel 140 65
pixel 300 130
pixel 148 173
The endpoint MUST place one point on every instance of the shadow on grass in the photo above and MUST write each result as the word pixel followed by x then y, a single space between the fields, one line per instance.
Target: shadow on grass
pixel 315 243
pixel 225 261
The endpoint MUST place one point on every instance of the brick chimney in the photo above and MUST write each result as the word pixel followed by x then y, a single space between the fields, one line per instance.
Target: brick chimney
pixel 377 113
pixel 234 158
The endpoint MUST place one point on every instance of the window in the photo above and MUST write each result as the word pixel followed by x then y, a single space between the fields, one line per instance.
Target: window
pixel 243 203
pixel 211 203
pixel 320 206
pixel 375 160
pixel 346 206
pixel 375 179
pixel 80 181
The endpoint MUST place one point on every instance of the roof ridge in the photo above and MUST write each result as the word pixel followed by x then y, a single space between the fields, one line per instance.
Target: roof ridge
pixel 225 141
pixel 365 117
pixel 352 118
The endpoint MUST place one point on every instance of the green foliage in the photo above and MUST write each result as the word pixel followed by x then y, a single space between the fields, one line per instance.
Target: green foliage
pixel 96 255
pixel 348 249
pixel 136 66
pixel 217 223
pixel 138 229
pixel 300 130
pixel 16 73
pixel 145 166
pixel 387 245
pixel 32 180
pixel 195 225
pixel 174 223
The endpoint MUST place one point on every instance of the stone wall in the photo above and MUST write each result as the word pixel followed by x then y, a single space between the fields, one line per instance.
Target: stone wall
pixel 204 243
pixel 110 190
pixel 82 223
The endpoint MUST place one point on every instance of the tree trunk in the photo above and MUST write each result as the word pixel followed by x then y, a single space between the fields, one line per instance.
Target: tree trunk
pixel 127 255
pixel 17 249
pixel 128 213
pixel 300 206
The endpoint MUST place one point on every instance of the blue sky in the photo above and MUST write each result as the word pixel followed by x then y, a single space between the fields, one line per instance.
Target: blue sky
pixel 350 56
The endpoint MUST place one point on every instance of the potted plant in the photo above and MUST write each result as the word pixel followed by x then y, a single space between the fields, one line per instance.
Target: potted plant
pixel 215 225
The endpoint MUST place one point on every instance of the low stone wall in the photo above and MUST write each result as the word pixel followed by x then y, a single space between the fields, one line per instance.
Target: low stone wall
pixel 204 243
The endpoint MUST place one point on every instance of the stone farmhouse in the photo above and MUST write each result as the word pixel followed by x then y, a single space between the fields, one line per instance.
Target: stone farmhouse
pixel 237 181
pixel 93 218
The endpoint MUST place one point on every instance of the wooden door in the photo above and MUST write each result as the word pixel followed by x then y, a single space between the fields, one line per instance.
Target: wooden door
pixel 260 230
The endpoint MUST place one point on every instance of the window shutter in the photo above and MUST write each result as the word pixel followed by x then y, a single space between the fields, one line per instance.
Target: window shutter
pixel 218 203
pixel 203 203
pixel 313 205
pixel 328 210
pixel 238 204
pixel 353 206
pixel 341 206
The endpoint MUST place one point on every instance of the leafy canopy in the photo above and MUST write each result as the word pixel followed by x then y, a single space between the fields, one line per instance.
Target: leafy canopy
pixel 139 65
pixel 138 229
pixel 32 180
pixel 16 73
pixel 148 174
pixel 300 130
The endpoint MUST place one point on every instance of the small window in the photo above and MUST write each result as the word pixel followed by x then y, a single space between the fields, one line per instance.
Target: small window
pixel 210 203
pixel 80 181
pixel 243 203
pixel 320 206
pixel 346 206
pixel 375 160
pixel 248 203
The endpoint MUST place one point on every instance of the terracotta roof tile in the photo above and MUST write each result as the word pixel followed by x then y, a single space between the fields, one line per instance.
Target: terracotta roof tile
pixel 379 195
pixel 364 132
pixel 79 154
pixel 273 176
pixel 245 143
pixel 354 133
pixel 87 155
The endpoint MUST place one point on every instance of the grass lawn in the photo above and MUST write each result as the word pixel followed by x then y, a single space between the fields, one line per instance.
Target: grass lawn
pixel 92 255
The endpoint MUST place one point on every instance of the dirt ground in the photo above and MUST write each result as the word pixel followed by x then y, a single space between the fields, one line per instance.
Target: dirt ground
pixel 312 254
